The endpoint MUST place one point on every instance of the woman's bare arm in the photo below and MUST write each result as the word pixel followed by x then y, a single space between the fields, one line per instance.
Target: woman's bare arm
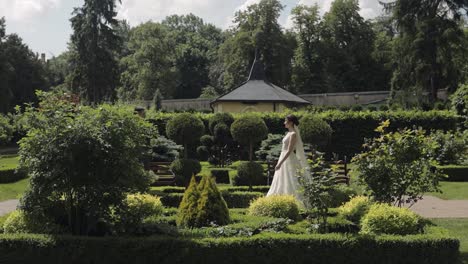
pixel 292 143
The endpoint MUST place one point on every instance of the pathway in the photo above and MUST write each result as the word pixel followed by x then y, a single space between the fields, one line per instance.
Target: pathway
pixel 8 206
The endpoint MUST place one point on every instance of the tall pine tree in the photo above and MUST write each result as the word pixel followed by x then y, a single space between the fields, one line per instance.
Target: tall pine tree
pixel 95 43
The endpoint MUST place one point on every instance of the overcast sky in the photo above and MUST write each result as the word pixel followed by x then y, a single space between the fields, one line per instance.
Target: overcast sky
pixel 44 24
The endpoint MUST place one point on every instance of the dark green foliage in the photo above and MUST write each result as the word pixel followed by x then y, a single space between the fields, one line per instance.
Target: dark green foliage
pixel 455 173
pixel 203 153
pixel 450 147
pixel 383 108
pixel 356 108
pixel 459 100
pixel 207 141
pixel 315 130
pixel 185 129
pixel 188 208
pixel 94 43
pixel 270 149
pixel 93 160
pixel 249 130
pixel 249 173
pixel 340 194
pixel 6 130
pixel 220 118
pixel 221 176
pixel 211 207
pixel 157 100
pixel 184 169
pixel 165 149
pixel 372 108
pixel 268 248
pixel 12 175
pixel 234 199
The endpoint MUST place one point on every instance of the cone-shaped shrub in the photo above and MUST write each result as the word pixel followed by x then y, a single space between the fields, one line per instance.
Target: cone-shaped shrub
pixel 211 207
pixel 188 211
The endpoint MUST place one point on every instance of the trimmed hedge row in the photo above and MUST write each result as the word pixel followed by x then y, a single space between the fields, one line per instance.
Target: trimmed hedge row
pixel 349 128
pixel 171 189
pixel 265 248
pixel 457 173
pixel 233 199
pixel 12 175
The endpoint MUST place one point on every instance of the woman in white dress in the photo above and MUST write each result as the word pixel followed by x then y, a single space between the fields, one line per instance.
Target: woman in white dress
pixel 291 161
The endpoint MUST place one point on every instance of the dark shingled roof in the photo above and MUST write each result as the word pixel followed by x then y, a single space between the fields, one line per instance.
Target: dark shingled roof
pixel 257 89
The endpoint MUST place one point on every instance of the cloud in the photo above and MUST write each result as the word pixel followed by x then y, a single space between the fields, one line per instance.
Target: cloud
pixel 139 11
pixel 26 10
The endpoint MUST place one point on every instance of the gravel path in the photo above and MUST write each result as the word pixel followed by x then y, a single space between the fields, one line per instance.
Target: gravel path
pixel 8 206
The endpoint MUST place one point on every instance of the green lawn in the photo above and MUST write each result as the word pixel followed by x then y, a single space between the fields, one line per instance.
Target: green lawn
pixel 459 229
pixel 8 162
pixel 453 191
pixel 13 190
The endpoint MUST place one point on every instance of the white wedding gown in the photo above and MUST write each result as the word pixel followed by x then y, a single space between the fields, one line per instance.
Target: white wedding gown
pixel 285 180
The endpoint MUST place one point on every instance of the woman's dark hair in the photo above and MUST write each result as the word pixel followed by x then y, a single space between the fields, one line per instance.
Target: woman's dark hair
pixel 293 119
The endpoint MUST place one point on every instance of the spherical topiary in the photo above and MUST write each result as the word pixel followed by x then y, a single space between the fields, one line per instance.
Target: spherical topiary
pixel 280 206
pixel 315 130
pixel 249 173
pixel 211 207
pixel 188 208
pixel 220 118
pixel 203 153
pixel 372 108
pixel 185 129
pixel 207 141
pixel 355 209
pixel 221 134
pixel 387 219
pixel 184 169
pixel 249 130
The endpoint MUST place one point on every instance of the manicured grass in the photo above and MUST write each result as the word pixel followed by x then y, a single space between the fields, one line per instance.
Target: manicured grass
pixel 14 190
pixel 458 227
pixel 8 162
pixel 453 191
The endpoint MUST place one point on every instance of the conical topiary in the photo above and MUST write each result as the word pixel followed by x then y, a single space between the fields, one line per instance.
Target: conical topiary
pixel 188 208
pixel 211 207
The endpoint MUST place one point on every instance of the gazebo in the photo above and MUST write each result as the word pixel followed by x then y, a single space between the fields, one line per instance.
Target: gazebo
pixel 257 95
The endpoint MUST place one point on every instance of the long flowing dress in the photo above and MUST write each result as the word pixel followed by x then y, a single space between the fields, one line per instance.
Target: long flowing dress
pixel 285 179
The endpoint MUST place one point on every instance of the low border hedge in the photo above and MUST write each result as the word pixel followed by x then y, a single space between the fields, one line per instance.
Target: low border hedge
pixel 233 199
pixel 456 173
pixel 12 175
pixel 264 248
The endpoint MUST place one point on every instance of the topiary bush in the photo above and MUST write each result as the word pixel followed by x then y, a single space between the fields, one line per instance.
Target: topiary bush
pixel 207 141
pixel 249 130
pixel 315 130
pixel 221 176
pixel 203 153
pixel 185 129
pixel 188 208
pixel 356 108
pixel 184 169
pixel 270 148
pixel 355 209
pixel 220 118
pixel 165 150
pixel 249 173
pixel 212 209
pixel 387 219
pixel 21 222
pixel 279 206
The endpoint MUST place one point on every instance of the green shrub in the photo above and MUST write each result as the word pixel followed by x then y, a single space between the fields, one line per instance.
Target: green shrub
pixel 137 207
pixel 315 130
pixel 279 206
pixel 203 153
pixel 383 108
pixel 185 129
pixel 341 225
pixel 6 130
pixel 211 207
pixel 165 150
pixel 355 209
pixel 220 118
pixel 356 108
pixel 207 141
pixel 21 222
pixel 249 174
pixel 372 108
pixel 270 148
pixel 387 219
pixel 184 169
pixel 459 100
pixel 188 208
pixel 12 175
pixel 236 199
pixel 341 194
pixel 456 173
pixel 249 130
pixel 221 176
pixel 93 161
pixel 450 147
